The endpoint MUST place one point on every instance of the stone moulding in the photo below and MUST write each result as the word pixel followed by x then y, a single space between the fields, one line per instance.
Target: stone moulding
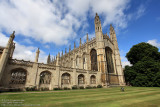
pixel 66 69
pixel 20 62
pixel 81 70
pixel 46 66
pixel 93 72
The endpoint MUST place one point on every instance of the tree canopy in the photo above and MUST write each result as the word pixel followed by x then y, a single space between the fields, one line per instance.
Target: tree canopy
pixel 142 51
pixel 145 69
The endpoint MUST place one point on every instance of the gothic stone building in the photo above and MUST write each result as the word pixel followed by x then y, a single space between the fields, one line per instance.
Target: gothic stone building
pixel 96 62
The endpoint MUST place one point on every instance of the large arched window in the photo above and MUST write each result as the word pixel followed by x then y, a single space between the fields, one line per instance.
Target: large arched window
pixel 18 76
pixel 93 79
pixel 84 60
pixel 77 62
pixel 45 77
pixel 65 78
pixel 93 55
pixel 81 79
pixel 109 60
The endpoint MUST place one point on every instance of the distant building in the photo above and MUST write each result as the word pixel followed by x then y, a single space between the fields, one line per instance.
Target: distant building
pixel 96 62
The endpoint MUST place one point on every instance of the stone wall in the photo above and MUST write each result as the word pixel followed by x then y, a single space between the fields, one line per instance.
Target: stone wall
pixel 35 69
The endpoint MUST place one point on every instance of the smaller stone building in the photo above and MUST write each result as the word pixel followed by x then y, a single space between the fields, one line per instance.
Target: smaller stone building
pixel 96 62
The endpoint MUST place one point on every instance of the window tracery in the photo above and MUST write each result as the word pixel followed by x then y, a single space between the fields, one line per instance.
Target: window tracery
pixel 109 60
pixel 93 79
pixel 93 54
pixel 65 78
pixel 81 79
pixel 18 76
pixel 45 77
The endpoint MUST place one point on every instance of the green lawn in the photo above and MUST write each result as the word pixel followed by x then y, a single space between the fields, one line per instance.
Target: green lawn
pixel 105 97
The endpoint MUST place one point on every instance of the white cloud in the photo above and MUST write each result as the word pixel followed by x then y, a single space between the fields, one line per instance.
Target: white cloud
pixel 113 10
pixel 158 18
pixel 47 46
pixel 124 59
pixel 22 51
pixel 37 19
pixel 154 42
pixel 57 21
pixel 124 63
pixel 3 40
pixel 140 11
pixel 28 41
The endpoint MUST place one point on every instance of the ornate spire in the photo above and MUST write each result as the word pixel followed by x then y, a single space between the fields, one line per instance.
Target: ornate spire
pixel 48 59
pixel 111 27
pixel 65 50
pixel 69 48
pixel 54 58
pixel 80 42
pixel 87 37
pixel 57 61
pixel 97 22
pixel 37 55
pixel 74 45
pixel 96 14
pixel 112 33
pixel 58 54
pixel 13 35
pixel 10 41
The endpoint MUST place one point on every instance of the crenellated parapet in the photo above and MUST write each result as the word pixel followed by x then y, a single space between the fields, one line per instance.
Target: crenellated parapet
pixel 46 66
pixel 20 62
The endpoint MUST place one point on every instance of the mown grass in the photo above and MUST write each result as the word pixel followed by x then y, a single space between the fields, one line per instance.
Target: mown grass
pixel 105 97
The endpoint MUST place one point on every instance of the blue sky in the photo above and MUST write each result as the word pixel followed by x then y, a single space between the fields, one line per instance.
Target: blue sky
pixel 53 25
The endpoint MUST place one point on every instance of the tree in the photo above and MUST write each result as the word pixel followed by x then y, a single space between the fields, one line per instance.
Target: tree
pixel 145 69
pixel 142 50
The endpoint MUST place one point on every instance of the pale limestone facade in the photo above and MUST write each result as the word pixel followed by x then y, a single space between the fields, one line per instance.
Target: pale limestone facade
pixel 96 62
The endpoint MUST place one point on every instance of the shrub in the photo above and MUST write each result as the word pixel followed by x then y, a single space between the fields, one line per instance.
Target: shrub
pixel 15 90
pixel 81 87
pixel 94 87
pixel 66 88
pixel 33 88
pixel 41 89
pixel 88 87
pixel 99 86
pixel 74 87
pixel 28 89
pixel 56 88
pixel 46 89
